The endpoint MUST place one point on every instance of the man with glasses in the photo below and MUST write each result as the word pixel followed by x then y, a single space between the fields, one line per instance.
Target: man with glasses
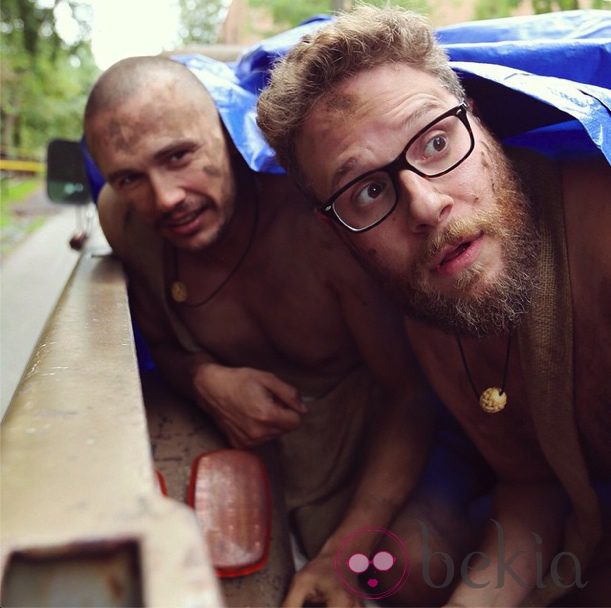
pixel 476 243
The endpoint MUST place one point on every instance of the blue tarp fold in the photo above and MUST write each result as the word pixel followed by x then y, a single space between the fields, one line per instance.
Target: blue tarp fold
pixel 542 81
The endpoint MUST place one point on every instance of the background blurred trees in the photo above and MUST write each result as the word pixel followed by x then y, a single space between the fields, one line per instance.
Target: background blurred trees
pixel 488 9
pixel 289 13
pixel 44 80
pixel 200 20
pixel 261 18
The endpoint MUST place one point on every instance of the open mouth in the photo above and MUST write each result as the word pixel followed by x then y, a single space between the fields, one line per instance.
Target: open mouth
pixel 454 253
pixel 454 258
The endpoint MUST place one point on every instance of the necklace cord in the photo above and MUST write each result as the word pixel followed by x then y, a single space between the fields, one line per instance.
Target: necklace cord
pixel 233 271
pixel 464 361
pixel 468 371
pixel 506 364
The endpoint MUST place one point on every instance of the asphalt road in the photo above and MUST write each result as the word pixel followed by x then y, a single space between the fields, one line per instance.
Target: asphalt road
pixel 25 215
pixel 32 276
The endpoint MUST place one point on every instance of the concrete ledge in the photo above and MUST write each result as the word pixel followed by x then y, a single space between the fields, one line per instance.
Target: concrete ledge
pixel 77 473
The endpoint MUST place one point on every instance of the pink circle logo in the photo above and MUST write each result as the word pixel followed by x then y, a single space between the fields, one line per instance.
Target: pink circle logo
pixel 352 565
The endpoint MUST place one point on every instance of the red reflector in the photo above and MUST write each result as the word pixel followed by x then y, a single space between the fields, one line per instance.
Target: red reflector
pixel 163 488
pixel 229 491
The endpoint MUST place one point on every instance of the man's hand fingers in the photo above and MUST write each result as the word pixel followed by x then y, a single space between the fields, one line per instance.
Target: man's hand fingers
pixel 283 420
pixel 285 394
pixel 251 406
pixel 339 597
pixel 308 586
pixel 278 421
pixel 296 596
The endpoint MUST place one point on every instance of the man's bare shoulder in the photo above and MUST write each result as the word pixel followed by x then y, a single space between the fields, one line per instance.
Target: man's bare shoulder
pixel 295 219
pixel 317 251
pixel 587 201
pixel 586 185
pixel 587 195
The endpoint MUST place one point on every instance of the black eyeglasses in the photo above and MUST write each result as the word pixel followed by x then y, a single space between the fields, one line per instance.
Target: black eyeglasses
pixel 435 150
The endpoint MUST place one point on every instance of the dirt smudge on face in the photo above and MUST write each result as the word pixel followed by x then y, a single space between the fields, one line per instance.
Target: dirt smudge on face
pixel 160 111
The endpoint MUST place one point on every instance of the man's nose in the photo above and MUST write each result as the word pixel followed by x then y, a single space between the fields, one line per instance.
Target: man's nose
pixel 166 191
pixel 427 207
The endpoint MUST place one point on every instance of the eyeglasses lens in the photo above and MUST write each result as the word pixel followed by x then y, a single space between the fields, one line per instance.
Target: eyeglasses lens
pixel 436 150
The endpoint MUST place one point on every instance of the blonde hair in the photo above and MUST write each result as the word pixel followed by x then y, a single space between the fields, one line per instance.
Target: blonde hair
pixel 359 40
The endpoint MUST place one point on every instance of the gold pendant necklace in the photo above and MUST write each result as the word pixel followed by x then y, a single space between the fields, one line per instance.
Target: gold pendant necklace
pixel 493 399
pixel 178 290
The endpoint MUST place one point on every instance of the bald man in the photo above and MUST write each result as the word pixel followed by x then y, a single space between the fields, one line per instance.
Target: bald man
pixel 256 312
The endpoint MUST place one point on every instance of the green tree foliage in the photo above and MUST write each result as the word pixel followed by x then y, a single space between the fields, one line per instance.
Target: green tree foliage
pixel 490 9
pixel 547 6
pixel 289 13
pixel 200 20
pixel 44 80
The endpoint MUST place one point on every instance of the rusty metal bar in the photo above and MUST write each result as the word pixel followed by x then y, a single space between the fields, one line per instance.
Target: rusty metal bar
pixel 77 474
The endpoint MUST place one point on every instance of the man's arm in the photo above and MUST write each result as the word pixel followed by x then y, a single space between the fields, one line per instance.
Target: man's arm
pixel 521 538
pixel 251 406
pixel 399 440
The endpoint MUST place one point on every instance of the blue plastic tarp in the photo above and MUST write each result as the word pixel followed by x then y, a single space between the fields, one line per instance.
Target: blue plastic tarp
pixel 541 81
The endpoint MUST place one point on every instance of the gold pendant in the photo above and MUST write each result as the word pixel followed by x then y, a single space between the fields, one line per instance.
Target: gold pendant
pixel 179 291
pixel 493 400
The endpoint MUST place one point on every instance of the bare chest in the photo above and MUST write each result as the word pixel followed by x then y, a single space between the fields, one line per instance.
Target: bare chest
pixel 507 439
pixel 272 314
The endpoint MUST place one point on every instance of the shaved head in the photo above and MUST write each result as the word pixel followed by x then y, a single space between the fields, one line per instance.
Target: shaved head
pixel 158 140
pixel 137 76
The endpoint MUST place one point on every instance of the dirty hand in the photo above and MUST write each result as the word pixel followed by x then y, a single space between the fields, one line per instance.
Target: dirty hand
pixel 317 582
pixel 250 406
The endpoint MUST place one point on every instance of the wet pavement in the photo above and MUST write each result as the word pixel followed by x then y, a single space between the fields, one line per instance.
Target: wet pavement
pixel 25 218
pixel 33 271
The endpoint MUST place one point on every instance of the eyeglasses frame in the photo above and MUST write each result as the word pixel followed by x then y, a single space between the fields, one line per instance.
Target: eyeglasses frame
pixel 400 163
